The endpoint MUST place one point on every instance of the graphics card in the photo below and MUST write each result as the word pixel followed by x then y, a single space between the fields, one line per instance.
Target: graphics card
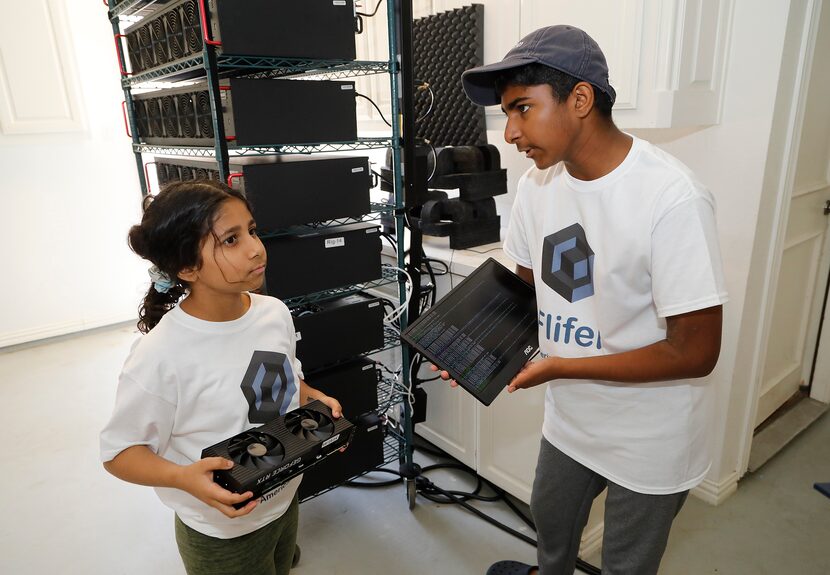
pixel 268 456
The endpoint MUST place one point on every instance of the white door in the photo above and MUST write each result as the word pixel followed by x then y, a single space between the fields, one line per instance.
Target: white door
pixel 802 276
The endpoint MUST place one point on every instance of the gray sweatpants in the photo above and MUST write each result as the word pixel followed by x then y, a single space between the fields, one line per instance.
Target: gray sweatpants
pixel 636 525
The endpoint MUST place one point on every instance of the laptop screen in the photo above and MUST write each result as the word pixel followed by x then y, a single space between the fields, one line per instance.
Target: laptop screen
pixel 482 332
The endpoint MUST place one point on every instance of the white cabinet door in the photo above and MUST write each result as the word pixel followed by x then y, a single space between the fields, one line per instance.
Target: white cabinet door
pixel 509 432
pixel 451 421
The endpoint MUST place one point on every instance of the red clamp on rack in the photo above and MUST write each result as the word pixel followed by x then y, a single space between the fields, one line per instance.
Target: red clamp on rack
pixel 203 15
pixel 124 113
pixel 120 55
pixel 232 177
pixel 147 178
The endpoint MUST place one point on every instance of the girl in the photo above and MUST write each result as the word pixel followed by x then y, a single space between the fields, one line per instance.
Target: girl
pixel 215 360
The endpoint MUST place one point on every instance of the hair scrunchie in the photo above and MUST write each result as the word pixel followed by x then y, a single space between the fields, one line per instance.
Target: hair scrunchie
pixel 161 281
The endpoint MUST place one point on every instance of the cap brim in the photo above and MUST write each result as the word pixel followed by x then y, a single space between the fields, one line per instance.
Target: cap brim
pixel 480 83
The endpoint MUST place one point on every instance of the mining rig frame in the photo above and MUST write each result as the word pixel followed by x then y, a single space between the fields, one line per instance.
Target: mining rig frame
pixel 207 61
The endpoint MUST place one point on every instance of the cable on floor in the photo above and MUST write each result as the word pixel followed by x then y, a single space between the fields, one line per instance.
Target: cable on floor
pixel 429 490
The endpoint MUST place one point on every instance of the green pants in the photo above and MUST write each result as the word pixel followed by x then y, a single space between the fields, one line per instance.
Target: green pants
pixel 266 551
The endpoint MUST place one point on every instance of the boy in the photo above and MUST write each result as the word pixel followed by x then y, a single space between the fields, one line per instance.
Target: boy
pixel 619 239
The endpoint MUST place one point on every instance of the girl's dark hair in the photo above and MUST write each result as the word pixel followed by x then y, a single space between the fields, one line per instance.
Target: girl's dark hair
pixel 561 84
pixel 170 236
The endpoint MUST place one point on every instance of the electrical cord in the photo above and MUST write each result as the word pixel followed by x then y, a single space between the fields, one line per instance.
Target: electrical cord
pixel 428 113
pixel 375 11
pixel 432 492
pixel 382 117
pixel 399 311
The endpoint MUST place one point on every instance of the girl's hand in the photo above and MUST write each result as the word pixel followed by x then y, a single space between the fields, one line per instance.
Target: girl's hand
pixel 197 479
pixel 332 404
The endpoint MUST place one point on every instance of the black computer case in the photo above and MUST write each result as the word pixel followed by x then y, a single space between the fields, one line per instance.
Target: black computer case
pixel 335 330
pixel 285 191
pixel 172 34
pixel 255 112
pixel 353 384
pixel 310 260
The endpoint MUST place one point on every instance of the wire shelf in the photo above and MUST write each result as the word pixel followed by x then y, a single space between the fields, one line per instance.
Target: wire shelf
pixel 261 67
pixel 359 144
pixel 133 8
pixel 376 209
pixel 388 276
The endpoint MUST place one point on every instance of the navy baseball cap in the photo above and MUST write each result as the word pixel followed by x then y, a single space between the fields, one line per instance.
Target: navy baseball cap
pixel 564 48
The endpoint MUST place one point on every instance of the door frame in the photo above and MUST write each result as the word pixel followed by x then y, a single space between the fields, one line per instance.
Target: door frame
pixel 784 184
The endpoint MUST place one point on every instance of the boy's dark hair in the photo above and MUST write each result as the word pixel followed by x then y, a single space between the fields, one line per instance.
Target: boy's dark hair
pixel 561 84
pixel 170 235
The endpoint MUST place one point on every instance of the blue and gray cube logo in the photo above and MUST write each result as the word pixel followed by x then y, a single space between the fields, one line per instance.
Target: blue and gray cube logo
pixel 268 385
pixel 568 263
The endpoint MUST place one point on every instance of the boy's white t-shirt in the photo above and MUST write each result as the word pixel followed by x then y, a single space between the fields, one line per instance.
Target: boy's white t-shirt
pixel 611 259
pixel 189 384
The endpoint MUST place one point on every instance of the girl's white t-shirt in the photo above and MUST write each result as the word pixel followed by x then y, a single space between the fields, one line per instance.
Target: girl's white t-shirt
pixel 611 259
pixel 183 388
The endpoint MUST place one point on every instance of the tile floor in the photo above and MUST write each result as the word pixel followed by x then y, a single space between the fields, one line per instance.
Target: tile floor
pixel 63 514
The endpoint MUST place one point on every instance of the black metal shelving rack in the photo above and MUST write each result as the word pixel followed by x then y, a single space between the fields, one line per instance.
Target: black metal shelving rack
pixel 214 65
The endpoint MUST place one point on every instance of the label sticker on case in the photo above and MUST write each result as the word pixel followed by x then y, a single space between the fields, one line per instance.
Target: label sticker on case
pixel 338 2
pixel 356 170
pixel 298 335
pixel 347 87
pixel 375 304
pixel 335 242
pixel 330 440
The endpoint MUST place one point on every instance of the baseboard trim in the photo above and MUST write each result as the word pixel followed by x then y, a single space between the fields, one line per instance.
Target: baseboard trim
pixel 788 425
pixel 59 329
pixel 716 492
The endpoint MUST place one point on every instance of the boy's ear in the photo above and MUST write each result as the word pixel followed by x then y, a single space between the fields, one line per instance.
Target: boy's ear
pixel 583 97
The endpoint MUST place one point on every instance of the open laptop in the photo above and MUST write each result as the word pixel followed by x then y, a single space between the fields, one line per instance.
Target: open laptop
pixel 482 332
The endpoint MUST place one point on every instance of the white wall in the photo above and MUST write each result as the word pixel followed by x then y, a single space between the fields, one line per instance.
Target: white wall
pixel 68 197
pixel 731 159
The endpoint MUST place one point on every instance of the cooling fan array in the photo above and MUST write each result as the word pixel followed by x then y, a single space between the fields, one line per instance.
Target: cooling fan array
pixel 269 455
pixel 171 36
pixel 179 116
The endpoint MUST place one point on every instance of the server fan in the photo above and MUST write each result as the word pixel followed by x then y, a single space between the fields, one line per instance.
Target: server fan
pixel 154 118
pixel 159 37
pixel 145 42
pixel 203 115
pixel 175 34
pixel 170 117
pixel 134 52
pixel 192 28
pixel 187 115
pixel 141 120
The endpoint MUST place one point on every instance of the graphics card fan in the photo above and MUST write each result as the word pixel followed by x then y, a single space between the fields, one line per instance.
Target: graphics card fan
pixel 310 425
pixel 256 450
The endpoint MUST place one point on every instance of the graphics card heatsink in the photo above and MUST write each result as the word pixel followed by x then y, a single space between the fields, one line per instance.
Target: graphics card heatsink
pixel 265 457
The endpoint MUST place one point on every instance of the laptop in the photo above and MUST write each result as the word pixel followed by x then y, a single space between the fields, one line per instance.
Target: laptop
pixel 482 332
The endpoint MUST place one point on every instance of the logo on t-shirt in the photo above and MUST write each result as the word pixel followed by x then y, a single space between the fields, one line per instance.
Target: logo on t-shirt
pixel 268 385
pixel 568 263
